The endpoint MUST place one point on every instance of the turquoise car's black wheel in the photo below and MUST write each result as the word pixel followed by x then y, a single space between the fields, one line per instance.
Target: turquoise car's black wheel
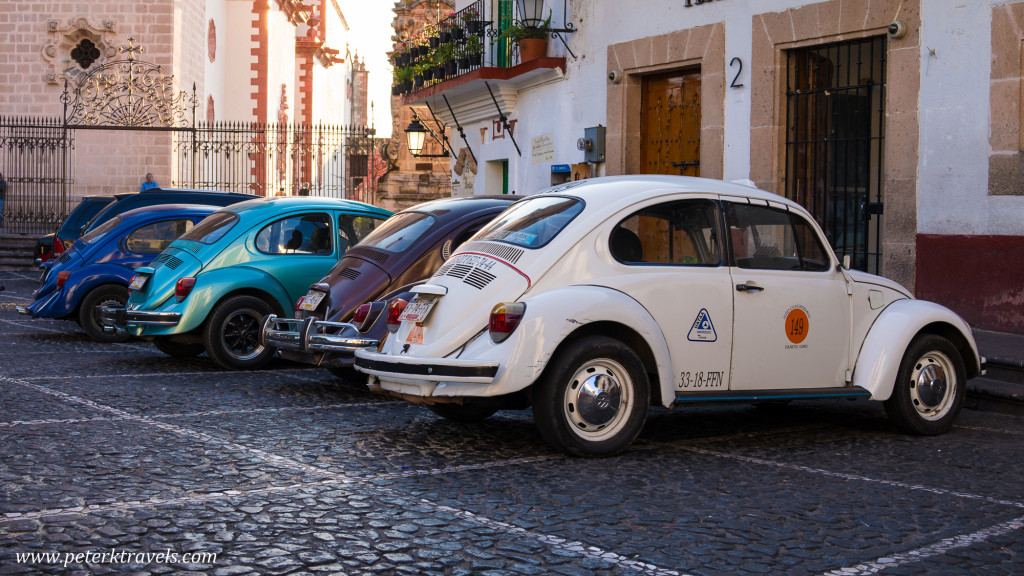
pixel 231 335
pixel 593 398
pixel 178 349
pixel 89 311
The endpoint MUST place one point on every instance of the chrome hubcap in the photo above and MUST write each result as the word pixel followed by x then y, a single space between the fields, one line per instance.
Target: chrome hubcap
pixel 597 399
pixel 932 385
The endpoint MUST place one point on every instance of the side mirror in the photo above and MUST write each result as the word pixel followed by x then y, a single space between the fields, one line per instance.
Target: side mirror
pixel 846 261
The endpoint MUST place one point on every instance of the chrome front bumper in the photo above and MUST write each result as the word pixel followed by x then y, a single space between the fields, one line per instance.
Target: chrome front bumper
pixel 115 319
pixel 313 336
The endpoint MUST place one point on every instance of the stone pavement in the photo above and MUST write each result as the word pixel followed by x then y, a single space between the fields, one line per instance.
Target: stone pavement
pixel 119 450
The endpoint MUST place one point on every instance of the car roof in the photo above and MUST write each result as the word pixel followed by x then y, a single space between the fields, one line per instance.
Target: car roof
pixel 464 203
pixel 151 191
pixel 169 210
pixel 617 190
pixel 301 202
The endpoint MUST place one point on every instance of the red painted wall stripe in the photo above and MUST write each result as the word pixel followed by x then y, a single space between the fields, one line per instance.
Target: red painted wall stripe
pixel 980 277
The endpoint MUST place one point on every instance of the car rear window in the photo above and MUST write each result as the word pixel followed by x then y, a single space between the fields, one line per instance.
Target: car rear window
pixel 399 232
pixel 97 233
pixel 533 222
pixel 213 228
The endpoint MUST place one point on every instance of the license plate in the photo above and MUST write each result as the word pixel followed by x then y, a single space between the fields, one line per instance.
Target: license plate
pixel 418 309
pixel 138 282
pixel 312 300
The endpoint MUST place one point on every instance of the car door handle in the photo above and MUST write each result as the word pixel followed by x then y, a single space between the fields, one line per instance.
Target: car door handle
pixel 748 288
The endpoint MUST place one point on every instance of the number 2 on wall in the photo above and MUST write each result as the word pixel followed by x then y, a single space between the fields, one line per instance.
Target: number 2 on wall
pixel 732 63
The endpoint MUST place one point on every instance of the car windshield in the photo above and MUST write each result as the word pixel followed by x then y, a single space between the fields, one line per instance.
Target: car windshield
pixel 533 222
pixel 399 232
pixel 212 228
pixel 100 231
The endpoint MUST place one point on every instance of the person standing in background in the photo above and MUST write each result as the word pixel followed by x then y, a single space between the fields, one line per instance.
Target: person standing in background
pixel 149 183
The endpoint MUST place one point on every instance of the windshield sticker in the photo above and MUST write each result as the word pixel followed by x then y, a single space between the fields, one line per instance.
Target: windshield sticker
pixel 797 326
pixel 702 330
pixel 520 237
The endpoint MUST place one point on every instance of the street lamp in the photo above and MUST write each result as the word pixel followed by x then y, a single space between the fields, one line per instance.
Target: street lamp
pixel 533 12
pixel 416 135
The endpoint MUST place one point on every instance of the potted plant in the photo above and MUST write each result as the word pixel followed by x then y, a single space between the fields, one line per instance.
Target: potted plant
pixel 403 76
pixel 444 59
pixel 532 40
pixel 471 20
pixel 433 34
pixel 474 50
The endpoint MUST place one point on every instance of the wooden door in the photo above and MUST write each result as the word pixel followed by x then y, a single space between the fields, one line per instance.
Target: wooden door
pixel 670 124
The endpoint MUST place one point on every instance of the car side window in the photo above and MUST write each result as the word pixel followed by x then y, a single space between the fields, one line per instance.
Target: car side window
pixel 683 233
pixel 153 238
pixel 303 234
pixel 765 238
pixel 352 229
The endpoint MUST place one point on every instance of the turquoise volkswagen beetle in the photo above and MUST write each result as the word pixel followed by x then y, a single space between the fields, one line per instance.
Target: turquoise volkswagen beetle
pixel 211 288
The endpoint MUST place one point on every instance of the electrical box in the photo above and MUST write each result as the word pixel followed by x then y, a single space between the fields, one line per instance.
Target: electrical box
pixel 592 144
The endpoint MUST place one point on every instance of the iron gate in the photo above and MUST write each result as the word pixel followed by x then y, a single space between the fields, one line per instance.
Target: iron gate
pixel 834 143
pixel 38 160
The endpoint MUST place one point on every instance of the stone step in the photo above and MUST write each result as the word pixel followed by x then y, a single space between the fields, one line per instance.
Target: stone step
pixel 1005 370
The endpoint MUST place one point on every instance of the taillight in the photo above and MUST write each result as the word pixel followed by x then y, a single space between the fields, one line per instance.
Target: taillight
pixel 131 281
pixel 62 277
pixel 395 309
pixel 183 287
pixel 359 316
pixel 298 304
pixel 505 318
pixel 58 246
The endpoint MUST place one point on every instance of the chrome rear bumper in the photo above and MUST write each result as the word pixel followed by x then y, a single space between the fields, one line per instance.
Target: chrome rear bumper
pixel 115 319
pixel 313 336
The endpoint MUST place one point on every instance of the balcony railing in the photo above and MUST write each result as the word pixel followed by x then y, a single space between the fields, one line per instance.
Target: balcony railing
pixel 476 36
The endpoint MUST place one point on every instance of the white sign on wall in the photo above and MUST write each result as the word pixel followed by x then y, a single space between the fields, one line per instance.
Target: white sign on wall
pixel 543 148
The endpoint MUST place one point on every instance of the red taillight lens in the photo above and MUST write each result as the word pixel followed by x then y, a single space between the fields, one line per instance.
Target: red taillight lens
pixel 395 309
pixel 62 277
pixel 298 303
pixel 58 246
pixel 359 316
pixel 131 281
pixel 183 287
pixel 505 318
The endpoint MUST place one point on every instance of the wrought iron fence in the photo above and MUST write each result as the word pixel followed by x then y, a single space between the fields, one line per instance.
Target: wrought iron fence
pixel 37 160
pixel 272 159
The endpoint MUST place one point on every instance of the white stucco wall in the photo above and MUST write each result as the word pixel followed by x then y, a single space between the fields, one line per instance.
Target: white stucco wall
pixel 236 33
pixel 565 108
pixel 956 46
pixel 330 97
pixel 281 65
pixel 214 75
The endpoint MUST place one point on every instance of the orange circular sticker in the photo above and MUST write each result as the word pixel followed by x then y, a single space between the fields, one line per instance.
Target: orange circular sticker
pixel 797 325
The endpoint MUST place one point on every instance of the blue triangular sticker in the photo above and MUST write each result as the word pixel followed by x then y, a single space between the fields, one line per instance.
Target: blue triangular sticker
pixel 702 330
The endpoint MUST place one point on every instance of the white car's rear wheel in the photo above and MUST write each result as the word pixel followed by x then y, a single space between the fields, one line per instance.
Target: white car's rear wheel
pixel 930 387
pixel 593 399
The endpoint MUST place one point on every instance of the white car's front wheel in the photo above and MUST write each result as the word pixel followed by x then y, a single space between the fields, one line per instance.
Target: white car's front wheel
pixel 930 387
pixel 593 399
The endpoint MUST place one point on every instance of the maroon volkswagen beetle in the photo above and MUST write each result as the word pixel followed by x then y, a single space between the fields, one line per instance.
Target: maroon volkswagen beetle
pixel 343 311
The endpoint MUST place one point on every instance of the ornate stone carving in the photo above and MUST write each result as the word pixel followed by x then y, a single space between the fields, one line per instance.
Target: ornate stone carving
pixel 62 40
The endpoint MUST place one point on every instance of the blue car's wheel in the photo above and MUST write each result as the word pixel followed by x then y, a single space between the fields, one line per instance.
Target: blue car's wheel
pixel 89 311
pixel 231 335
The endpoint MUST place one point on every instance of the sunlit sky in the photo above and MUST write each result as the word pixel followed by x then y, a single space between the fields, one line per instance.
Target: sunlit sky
pixel 369 23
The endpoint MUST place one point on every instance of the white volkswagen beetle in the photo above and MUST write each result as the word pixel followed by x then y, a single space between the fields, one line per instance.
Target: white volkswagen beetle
pixel 597 299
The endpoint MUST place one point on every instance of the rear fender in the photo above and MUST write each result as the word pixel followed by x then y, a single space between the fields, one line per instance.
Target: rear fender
pixel 553 316
pixel 84 280
pixel 211 287
pixel 891 334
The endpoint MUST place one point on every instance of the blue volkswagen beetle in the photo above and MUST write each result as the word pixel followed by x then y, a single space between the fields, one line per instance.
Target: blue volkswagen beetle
pixel 212 288
pixel 95 271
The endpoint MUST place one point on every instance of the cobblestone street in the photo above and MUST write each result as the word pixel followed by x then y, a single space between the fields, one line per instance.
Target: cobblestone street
pixel 118 448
